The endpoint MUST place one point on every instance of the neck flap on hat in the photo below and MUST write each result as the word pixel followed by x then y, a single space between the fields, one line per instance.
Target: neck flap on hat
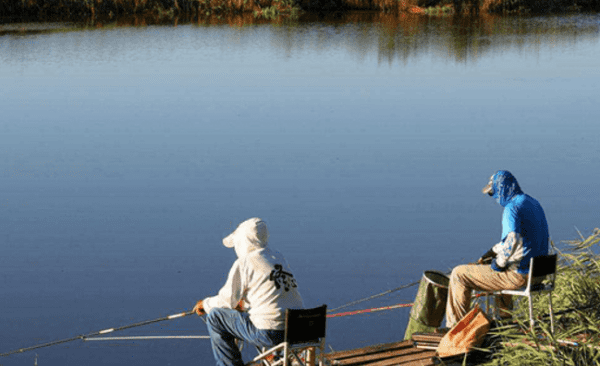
pixel 505 187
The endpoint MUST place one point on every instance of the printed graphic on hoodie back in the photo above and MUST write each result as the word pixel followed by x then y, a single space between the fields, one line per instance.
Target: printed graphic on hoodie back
pixel 282 278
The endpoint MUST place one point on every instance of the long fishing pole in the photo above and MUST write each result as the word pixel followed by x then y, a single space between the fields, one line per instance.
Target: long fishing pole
pixel 378 295
pixel 375 296
pixel 382 293
pixel 100 332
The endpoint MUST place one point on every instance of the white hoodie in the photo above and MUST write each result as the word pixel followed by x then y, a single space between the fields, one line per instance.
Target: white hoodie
pixel 260 276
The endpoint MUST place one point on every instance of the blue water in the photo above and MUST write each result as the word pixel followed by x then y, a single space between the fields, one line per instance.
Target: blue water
pixel 126 155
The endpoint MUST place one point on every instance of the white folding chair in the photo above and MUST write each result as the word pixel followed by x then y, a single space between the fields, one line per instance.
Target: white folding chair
pixel 540 268
pixel 304 332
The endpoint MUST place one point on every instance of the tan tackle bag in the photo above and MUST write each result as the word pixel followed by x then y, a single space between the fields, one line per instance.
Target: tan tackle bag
pixel 469 332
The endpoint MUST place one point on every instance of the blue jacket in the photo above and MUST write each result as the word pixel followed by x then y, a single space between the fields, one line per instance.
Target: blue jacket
pixel 524 227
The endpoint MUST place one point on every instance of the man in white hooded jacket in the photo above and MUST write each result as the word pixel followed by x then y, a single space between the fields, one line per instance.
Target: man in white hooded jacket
pixel 261 279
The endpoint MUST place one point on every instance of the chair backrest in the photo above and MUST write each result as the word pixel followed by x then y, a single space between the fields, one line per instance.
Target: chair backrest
pixel 543 265
pixel 305 325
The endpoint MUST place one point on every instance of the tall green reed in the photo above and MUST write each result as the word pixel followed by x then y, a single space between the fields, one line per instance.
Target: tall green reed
pixel 576 300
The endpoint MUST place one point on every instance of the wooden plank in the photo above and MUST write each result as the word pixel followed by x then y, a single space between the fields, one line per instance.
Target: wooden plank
pixel 422 357
pixel 424 362
pixel 369 350
pixel 427 337
pixel 379 356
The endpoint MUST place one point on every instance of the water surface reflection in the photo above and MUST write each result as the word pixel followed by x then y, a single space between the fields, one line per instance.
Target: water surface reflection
pixel 459 38
pixel 391 37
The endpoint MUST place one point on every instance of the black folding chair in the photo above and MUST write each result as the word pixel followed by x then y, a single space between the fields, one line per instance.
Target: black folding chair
pixel 304 334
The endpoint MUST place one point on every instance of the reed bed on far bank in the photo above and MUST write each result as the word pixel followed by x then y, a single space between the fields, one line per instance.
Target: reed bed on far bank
pixel 183 9
pixel 187 9
pixel 539 6
pixel 576 298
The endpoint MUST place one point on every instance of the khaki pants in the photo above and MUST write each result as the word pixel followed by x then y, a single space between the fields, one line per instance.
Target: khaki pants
pixel 480 277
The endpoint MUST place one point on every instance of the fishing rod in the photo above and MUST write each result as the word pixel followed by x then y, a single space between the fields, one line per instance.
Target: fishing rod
pixel 386 292
pixel 379 295
pixel 100 332
pixel 134 338
pixel 375 296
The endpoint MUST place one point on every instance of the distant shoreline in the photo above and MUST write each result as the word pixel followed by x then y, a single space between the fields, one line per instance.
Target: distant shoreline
pixel 37 25
pixel 186 10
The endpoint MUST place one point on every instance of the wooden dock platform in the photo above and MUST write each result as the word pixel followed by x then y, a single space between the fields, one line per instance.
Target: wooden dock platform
pixel 402 353
pixel 418 351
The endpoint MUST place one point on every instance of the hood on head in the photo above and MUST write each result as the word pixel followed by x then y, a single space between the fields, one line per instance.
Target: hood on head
pixel 250 235
pixel 503 186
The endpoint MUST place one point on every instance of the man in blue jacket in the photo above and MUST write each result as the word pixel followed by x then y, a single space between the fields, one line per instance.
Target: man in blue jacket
pixel 524 235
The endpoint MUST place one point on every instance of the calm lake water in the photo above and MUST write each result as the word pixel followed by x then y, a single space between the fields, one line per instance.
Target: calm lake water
pixel 127 153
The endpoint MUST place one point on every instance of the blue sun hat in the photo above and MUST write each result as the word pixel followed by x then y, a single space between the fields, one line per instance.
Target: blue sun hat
pixel 503 186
